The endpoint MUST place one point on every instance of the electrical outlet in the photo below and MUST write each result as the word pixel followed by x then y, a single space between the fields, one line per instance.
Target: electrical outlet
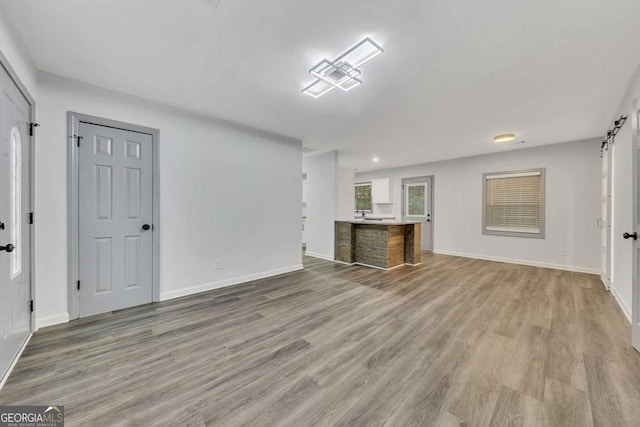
pixel 564 252
pixel 217 264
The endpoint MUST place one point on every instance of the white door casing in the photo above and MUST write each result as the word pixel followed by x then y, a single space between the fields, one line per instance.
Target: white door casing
pixel 115 219
pixel 15 228
pixel 605 220
pixel 635 315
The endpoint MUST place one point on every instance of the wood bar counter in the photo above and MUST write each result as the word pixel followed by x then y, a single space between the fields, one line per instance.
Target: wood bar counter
pixel 378 244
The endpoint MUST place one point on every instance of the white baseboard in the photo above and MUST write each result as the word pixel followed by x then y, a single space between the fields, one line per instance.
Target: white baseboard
pixel 5 377
pixel 575 268
pixel 228 282
pixel 317 255
pixel 620 302
pixel 56 319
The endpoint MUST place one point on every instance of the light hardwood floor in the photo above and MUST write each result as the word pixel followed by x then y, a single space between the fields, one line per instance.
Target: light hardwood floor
pixel 452 342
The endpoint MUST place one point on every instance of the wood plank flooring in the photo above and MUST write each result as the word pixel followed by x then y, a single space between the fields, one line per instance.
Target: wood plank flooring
pixel 454 341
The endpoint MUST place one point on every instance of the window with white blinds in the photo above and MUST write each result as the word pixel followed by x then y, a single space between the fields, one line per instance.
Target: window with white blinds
pixel 514 203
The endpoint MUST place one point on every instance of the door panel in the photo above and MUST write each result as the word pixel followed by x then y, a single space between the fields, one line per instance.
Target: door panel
pixel 15 266
pixel 104 196
pixel 115 201
pixel 416 206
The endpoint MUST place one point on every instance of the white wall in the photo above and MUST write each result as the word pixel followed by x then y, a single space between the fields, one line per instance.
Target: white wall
pixel 226 192
pixel 345 203
pixel 572 205
pixel 321 198
pixel 17 54
pixel 623 201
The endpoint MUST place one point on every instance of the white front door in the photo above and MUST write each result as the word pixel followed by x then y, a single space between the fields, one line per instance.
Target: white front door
pixel 115 190
pixel 417 200
pixel 15 233
pixel 632 235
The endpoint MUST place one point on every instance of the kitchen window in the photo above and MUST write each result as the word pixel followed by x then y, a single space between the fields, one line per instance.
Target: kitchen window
pixel 514 203
pixel 363 197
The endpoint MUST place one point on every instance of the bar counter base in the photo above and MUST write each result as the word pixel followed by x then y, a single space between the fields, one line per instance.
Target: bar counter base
pixel 378 245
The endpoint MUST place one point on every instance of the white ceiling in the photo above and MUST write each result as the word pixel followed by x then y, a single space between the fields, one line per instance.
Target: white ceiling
pixel 454 73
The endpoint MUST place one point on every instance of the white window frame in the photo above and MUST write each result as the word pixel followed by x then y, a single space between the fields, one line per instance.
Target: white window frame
pixel 514 232
pixel 406 199
pixel 360 184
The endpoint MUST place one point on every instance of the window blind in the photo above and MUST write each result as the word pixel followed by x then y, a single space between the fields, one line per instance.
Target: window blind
pixel 513 202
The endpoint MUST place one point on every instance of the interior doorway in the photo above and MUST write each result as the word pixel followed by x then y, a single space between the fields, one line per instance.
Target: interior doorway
pixel 417 205
pixel 114 218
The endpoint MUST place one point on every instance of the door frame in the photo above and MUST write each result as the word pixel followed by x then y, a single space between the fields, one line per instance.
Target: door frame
pixel 74 120
pixel 609 241
pixel 635 277
pixel 408 180
pixel 4 63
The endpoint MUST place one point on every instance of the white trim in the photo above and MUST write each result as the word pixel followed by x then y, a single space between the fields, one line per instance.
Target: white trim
pixel 574 268
pixel 43 322
pixel 620 302
pixel 317 255
pixel 513 175
pixel 376 267
pixel 228 282
pixel 4 379
pixel 384 268
pixel 325 257
pixel 342 262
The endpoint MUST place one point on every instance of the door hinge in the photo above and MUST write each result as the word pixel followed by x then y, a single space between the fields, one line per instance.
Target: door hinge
pixel 78 284
pixel 31 126
pixel 78 137
pixel 30 217
pixel 31 305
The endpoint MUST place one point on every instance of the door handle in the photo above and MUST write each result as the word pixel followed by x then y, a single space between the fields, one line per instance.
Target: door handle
pixel 145 227
pixel 8 248
pixel 633 235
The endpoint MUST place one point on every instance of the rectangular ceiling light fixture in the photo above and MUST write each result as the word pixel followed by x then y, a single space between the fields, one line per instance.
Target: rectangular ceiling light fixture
pixel 343 71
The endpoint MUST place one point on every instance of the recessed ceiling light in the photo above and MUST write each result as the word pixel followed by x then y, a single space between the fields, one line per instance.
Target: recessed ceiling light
pixel 507 137
pixel 375 159
pixel 343 71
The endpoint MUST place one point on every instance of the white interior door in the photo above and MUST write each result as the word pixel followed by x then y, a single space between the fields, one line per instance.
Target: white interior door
pixel 115 233
pixel 605 223
pixel 417 206
pixel 632 235
pixel 15 233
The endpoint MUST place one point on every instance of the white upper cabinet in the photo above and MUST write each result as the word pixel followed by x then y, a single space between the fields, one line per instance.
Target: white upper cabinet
pixel 380 191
